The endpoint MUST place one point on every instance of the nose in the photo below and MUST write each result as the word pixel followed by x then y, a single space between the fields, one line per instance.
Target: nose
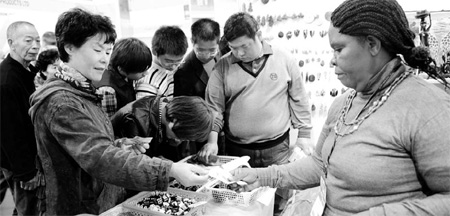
pixel 241 53
pixel 36 44
pixel 333 62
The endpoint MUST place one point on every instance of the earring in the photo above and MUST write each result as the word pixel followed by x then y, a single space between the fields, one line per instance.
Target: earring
pixel 280 34
pixel 311 33
pixel 296 32
pixel 305 33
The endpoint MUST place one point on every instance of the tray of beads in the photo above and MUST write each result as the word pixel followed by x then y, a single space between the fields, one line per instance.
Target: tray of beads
pixel 170 202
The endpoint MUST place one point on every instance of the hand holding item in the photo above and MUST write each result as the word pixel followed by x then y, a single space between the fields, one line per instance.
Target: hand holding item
pixel 306 145
pixel 32 183
pixel 207 150
pixel 138 145
pixel 247 175
pixel 189 174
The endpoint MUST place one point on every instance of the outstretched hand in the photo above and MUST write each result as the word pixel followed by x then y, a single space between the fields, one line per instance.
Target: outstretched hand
pixel 138 145
pixel 247 175
pixel 189 174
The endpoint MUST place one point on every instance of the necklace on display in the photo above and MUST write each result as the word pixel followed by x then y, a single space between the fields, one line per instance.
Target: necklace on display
pixel 375 105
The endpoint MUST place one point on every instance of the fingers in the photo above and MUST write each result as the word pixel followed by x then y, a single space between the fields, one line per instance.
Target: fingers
pixel 198 170
pixel 198 180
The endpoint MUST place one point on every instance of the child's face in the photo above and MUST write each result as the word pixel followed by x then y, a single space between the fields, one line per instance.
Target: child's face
pixel 52 68
pixel 169 62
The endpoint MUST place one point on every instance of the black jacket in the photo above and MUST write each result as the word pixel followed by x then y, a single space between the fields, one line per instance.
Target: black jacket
pixel 191 78
pixel 18 143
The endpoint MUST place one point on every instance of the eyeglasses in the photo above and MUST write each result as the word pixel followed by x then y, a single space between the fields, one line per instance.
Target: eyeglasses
pixel 206 52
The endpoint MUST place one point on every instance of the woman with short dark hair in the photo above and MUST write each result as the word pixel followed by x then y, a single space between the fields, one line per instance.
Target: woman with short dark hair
pixel 80 157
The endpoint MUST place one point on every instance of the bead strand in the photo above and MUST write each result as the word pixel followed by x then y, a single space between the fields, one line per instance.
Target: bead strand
pixel 375 105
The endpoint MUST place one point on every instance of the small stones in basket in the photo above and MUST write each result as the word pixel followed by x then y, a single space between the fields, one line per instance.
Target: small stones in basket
pixel 176 184
pixel 166 203
pixel 213 160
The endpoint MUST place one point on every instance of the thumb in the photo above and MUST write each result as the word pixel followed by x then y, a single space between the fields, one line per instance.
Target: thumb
pixel 200 171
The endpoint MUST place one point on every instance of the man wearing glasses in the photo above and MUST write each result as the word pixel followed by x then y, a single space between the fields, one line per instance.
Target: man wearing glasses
pixel 192 76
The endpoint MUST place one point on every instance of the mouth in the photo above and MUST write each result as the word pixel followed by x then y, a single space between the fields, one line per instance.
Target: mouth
pixel 99 69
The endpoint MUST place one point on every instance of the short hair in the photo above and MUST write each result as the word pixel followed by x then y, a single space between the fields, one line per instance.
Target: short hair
pixel 194 119
pixel 12 28
pixel 132 55
pixel 76 26
pixel 206 30
pixel 49 38
pixel 223 46
pixel 46 58
pixel 240 24
pixel 169 40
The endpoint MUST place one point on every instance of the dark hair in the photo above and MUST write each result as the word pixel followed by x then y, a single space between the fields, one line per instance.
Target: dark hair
pixel 194 119
pixel 169 40
pixel 223 46
pixel 206 30
pixel 131 55
pixel 385 20
pixel 240 24
pixel 46 58
pixel 76 26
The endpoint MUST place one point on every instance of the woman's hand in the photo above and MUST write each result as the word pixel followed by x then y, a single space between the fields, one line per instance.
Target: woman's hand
pixel 138 145
pixel 247 175
pixel 189 174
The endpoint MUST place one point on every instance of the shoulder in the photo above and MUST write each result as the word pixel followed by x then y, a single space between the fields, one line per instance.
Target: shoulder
pixel 224 63
pixel 416 93
pixel 281 54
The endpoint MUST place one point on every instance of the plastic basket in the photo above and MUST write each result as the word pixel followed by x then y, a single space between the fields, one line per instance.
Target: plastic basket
pixel 132 203
pixel 219 192
pixel 226 196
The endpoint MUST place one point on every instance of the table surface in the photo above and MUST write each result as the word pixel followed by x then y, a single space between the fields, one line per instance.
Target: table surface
pixel 216 209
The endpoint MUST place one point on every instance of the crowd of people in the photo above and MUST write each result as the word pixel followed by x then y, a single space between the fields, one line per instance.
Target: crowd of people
pixel 88 120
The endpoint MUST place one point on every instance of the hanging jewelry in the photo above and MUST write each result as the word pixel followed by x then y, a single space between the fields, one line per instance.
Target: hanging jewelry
pixel 289 35
pixel 296 32
pixel 280 34
pixel 311 33
pixel 305 33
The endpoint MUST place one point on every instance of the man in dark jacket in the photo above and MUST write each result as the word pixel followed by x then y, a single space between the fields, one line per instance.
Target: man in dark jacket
pixel 18 144
pixel 192 76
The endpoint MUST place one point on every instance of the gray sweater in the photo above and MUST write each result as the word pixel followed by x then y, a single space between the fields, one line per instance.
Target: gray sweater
pixel 396 163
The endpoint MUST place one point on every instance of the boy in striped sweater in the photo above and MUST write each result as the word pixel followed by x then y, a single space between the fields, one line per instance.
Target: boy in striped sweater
pixel 169 44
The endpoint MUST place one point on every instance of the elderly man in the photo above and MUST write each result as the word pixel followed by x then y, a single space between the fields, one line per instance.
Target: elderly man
pixel 18 144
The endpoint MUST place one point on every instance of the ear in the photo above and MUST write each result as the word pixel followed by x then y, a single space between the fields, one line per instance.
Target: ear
pixel 374 45
pixel 259 35
pixel 10 43
pixel 69 48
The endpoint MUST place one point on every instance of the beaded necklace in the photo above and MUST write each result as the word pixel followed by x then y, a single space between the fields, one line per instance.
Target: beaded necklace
pixel 375 105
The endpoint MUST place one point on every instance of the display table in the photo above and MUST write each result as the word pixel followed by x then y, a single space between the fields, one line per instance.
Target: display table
pixel 218 209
